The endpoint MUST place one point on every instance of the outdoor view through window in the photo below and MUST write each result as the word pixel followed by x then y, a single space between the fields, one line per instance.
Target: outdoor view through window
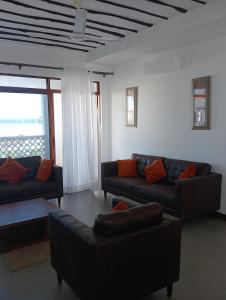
pixel 22 115
pixel 24 120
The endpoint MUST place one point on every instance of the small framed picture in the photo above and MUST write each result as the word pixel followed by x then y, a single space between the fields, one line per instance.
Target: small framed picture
pixel 131 106
pixel 201 103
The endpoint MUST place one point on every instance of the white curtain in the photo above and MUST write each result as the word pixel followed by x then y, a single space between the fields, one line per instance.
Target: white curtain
pixel 81 132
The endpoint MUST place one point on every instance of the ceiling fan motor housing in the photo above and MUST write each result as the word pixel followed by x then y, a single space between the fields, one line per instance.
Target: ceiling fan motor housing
pixel 80 20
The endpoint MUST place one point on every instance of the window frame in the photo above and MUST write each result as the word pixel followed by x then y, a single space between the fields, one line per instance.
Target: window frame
pixel 49 93
pixel 97 94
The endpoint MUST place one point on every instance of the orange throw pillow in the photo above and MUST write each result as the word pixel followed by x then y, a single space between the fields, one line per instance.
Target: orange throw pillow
pixel 120 206
pixel 44 170
pixel 11 171
pixel 127 168
pixel 189 172
pixel 155 171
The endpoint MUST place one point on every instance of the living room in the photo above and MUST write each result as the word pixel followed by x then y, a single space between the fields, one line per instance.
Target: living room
pixel 160 64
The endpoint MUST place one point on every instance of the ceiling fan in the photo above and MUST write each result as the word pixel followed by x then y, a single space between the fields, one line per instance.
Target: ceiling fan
pixel 79 34
pixel 80 26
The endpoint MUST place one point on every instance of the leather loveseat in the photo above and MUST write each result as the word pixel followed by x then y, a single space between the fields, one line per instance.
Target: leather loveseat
pixel 185 198
pixel 125 256
pixel 28 187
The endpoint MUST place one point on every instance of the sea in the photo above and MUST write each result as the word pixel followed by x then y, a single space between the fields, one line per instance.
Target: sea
pixel 28 129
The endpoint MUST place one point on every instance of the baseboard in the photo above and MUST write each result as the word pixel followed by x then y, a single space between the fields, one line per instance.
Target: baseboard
pixel 219 215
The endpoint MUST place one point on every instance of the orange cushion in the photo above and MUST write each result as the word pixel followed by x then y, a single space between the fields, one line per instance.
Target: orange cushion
pixel 189 172
pixel 11 171
pixel 127 168
pixel 44 170
pixel 120 206
pixel 155 171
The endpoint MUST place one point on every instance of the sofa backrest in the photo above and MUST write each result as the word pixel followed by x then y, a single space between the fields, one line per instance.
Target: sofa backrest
pixel 174 167
pixel 143 161
pixel 31 162
pixel 132 218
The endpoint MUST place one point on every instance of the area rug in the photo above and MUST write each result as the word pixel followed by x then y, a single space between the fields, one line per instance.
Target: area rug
pixel 28 256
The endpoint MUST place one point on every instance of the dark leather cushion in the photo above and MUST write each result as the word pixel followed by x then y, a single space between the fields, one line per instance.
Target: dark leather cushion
pixel 32 187
pixel 133 218
pixel 165 194
pixel 143 161
pixel 9 191
pixel 175 167
pixel 31 163
pixel 125 184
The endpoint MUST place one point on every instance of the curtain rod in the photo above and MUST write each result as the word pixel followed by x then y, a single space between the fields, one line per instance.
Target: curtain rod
pixel 21 65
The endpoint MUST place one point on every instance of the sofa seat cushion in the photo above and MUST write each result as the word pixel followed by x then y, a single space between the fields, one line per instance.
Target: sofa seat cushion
pixel 125 184
pixel 31 187
pixel 9 191
pixel 162 193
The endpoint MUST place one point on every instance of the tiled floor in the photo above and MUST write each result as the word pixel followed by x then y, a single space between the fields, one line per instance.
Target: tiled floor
pixel 203 262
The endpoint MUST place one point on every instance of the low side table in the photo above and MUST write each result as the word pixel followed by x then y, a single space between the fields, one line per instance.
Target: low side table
pixel 23 223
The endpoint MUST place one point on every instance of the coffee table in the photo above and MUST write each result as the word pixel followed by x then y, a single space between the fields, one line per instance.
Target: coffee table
pixel 23 223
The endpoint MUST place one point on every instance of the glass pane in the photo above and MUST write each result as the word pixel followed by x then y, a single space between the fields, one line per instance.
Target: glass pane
pixel 25 82
pixel 24 129
pixel 58 128
pixel 55 84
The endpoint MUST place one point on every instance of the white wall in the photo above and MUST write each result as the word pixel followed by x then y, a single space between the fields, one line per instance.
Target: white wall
pixel 165 108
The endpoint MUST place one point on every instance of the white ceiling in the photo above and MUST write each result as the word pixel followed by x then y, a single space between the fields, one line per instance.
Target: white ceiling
pixel 46 23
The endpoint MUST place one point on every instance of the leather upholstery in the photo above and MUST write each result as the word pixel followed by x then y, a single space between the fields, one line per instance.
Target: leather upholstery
pixel 127 265
pixel 164 194
pixel 129 219
pixel 143 161
pixel 174 167
pixel 185 198
pixel 126 184
pixel 30 188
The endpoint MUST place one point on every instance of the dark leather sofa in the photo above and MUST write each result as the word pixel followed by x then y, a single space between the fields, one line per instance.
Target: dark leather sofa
pixel 28 187
pixel 125 256
pixel 185 198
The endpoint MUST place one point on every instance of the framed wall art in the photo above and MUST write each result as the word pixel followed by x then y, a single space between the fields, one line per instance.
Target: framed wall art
pixel 131 106
pixel 201 103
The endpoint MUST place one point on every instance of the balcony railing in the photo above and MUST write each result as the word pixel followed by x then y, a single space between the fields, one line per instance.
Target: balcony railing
pixel 21 146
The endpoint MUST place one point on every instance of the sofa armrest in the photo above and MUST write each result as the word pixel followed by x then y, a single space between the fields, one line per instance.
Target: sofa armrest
pixel 198 195
pixel 109 168
pixel 72 252
pixel 57 176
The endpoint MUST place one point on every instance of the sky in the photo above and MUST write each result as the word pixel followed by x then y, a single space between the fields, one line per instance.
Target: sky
pixel 24 106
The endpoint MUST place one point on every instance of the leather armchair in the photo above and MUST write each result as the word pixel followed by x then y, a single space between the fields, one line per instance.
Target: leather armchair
pixel 126 255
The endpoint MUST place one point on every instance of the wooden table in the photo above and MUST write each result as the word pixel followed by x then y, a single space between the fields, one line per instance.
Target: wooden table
pixel 24 222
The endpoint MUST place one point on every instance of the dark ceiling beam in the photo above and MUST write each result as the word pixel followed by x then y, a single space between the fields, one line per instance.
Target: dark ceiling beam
pixel 46 27
pixel 177 8
pixel 46 33
pixel 44 38
pixel 119 17
pixel 37 18
pixel 19 3
pixel 199 1
pixel 130 8
pixel 107 2
pixel 44 44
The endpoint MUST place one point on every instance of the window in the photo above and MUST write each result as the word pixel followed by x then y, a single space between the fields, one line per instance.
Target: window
pixel 27 116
